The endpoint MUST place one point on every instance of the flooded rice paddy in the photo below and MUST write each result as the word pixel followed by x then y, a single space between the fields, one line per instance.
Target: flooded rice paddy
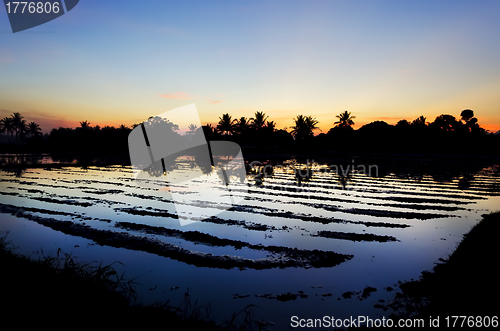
pixel 325 243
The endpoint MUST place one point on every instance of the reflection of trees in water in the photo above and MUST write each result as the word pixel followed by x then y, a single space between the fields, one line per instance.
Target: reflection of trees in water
pixel 465 181
pixel 18 164
pixel 256 175
pixel 203 163
pixel 258 171
pixel 444 177
pixel 460 171
pixel 262 170
pixel 343 173
pixel 231 173
pixel 303 174
pixel 227 171
pixel 19 160
pixel 237 174
pixel 63 158
pixel 162 131
pixel 19 172
pixel 344 177
pixel 155 169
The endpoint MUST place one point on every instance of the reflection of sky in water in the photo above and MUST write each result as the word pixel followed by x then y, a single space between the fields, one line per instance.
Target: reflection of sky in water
pixel 111 190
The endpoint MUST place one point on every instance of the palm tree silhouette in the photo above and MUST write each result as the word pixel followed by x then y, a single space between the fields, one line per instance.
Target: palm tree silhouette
pixel 209 126
pixel 209 130
pixel 304 126
pixel 269 127
pixel 345 177
pixel 304 174
pixel 18 124
pixel 259 120
pixel 22 129
pixel 34 129
pixel 298 127
pixel 226 124
pixel 345 120
pixel 7 125
pixel 242 125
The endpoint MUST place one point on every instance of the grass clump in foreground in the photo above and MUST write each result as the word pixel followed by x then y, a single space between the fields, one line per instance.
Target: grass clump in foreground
pixel 464 285
pixel 59 291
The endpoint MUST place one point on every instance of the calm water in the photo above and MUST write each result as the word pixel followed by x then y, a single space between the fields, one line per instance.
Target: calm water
pixel 389 228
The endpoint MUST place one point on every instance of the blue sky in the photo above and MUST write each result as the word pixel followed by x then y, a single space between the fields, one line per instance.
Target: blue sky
pixel 113 62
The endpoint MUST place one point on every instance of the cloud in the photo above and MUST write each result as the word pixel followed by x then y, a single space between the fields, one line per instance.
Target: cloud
pixel 214 102
pixel 177 96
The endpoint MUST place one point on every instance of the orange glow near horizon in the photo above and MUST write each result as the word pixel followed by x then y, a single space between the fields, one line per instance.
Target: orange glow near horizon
pixel 279 125
pixel 52 113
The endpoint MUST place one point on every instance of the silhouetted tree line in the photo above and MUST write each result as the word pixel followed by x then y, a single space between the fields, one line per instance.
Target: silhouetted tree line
pixel 446 134
pixel 251 133
pixel 15 130
pixel 89 139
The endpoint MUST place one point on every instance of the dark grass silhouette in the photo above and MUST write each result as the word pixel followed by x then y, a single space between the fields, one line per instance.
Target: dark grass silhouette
pixel 60 292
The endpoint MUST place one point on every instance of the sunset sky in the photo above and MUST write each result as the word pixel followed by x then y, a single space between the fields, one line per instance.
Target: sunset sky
pixel 113 62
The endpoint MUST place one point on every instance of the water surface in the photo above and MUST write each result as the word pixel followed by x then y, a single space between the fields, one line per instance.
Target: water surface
pixel 369 231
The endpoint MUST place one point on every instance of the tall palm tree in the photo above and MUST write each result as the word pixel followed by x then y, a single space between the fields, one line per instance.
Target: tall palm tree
pixel 242 125
pixel 304 127
pixel 17 123
pixel 7 126
pixel 34 129
pixel 345 120
pixel 22 129
pixel 259 120
pixel 269 127
pixel 298 127
pixel 311 124
pixel 226 124
pixel 2 125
